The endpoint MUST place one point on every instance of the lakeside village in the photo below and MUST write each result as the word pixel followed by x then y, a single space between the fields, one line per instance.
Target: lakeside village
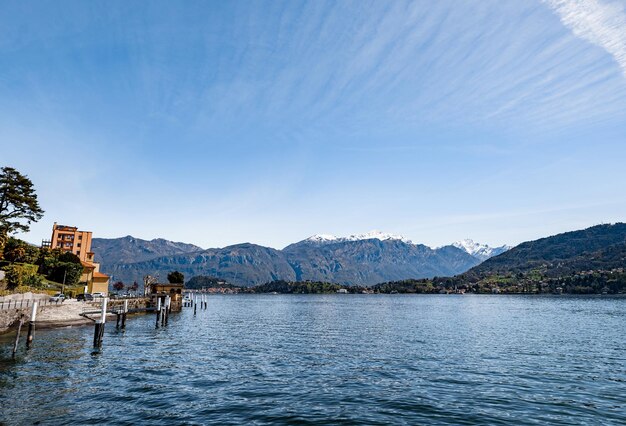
pixel 65 265
pixel 64 279
pixel 61 284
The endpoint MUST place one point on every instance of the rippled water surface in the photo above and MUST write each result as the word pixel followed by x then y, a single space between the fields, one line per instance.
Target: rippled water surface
pixel 336 359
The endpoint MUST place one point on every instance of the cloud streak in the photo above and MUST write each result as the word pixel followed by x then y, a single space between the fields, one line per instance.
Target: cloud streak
pixel 603 24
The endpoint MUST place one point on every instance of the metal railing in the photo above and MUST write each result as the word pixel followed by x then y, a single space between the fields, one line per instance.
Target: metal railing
pixel 25 303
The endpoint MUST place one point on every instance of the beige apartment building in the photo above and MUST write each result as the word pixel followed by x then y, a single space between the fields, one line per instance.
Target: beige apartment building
pixel 71 239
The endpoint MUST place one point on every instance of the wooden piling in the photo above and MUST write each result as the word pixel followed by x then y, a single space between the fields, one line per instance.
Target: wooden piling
pixel 158 311
pixel 17 335
pixel 166 310
pixel 124 314
pixel 31 326
pixel 99 327
pixel 195 304
pixel 96 335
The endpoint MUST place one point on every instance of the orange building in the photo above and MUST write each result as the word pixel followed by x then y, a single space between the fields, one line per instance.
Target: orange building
pixel 70 239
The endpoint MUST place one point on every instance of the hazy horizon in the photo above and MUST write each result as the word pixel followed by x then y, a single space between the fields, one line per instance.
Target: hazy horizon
pixel 269 122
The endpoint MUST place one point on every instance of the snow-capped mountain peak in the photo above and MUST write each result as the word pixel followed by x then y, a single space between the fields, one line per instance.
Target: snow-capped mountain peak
pixel 322 238
pixel 377 235
pixel 480 251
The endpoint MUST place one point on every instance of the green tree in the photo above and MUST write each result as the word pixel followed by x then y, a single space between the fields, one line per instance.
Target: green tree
pixel 69 257
pixel 68 271
pixel 175 277
pixel 58 265
pixel 19 251
pixel 18 204
pixel 118 286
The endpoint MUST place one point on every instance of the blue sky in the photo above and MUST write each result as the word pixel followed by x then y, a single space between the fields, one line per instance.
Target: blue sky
pixel 264 121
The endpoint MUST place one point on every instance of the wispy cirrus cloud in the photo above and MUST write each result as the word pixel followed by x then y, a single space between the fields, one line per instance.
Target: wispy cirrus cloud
pixel 603 24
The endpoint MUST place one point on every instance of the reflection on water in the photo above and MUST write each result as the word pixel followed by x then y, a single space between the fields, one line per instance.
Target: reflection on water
pixel 357 359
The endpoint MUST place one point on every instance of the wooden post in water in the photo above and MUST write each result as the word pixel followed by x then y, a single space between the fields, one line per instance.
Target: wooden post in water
pixel 31 325
pixel 195 304
pixel 205 297
pixel 167 309
pixel 158 311
pixel 17 335
pixel 124 314
pixel 99 328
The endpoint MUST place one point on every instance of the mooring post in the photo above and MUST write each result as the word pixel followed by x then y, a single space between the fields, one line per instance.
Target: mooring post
pixel 167 309
pixel 117 319
pixel 96 333
pixel 124 314
pixel 195 304
pixel 205 297
pixel 31 325
pixel 103 317
pixel 17 335
pixel 158 311
pixel 99 328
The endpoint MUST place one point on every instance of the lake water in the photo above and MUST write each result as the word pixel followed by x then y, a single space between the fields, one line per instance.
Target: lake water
pixel 333 359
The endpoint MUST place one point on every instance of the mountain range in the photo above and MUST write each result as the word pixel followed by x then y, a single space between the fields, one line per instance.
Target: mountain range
pixel 598 248
pixel 362 259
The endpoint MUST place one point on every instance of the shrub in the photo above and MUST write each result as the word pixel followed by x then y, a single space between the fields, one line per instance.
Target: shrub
pixel 18 275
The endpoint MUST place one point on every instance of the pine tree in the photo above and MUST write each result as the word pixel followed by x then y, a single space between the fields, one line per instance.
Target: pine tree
pixel 18 204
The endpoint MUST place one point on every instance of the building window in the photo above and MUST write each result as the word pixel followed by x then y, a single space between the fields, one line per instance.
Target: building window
pixel 78 245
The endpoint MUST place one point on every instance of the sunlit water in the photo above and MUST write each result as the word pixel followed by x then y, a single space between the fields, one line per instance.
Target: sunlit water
pixel 336 359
